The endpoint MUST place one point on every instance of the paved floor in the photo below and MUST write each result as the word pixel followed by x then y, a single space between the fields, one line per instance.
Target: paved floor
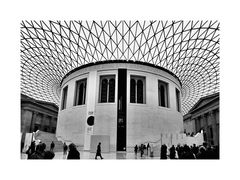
pixel 110 155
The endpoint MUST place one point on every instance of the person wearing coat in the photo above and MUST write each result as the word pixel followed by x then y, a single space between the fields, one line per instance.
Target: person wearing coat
pixel 98 153
pixel 52 146
pixel 73 152
pixel 65 148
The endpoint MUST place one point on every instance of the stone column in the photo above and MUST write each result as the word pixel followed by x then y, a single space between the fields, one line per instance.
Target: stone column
pixel 91 97
pixel 43 123
pixel 196 125
pixel 205 126
pixel 206 119
pixel 199 122
pixel 214 126
pixel 192 124
pixel 51 123
pixel 26 118
pixel 38 120
pixel 33 120
pixel 202 119
pixel 217 126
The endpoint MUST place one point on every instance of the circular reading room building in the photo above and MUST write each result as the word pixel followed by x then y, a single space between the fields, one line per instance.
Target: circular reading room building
pixel 119 103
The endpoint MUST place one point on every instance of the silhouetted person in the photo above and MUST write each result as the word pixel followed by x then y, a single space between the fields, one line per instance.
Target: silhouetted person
pixel 73 152
pixel 49 155
pixel 210 153
pixel 187 154
pixel 180 151
pixel 148 146
pixel 136 149
pixel 195 149
pixel 205 144
pixel 151 150
pixel 141 150
pixel 65 148
pixel 216 152
pixel 40 152
pixel 98 153
pixel 202 153
pixel 52 146
pixel 163 152
pixel 172 152
pixel 31 149
pixel 22 145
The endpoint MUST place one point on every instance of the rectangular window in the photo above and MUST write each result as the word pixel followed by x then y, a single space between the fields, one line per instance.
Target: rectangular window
pixel 163 94
pixel 64 97
pixel 80 92
pixel 178 100
pixel 137 89
pixel 107 89
pixel 46 128
pixel 53 130
pixel 36 127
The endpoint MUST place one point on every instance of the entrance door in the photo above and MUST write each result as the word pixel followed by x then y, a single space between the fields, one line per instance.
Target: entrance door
pixel 122 110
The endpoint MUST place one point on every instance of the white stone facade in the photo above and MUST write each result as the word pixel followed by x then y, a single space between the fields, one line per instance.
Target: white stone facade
pixel 144 122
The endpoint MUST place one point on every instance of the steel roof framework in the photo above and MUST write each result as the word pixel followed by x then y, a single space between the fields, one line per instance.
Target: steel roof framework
pixel 189 49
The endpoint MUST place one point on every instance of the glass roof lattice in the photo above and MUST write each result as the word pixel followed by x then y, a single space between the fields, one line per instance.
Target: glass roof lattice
pixel 50 49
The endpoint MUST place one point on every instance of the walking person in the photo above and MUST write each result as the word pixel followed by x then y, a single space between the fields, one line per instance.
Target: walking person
pixel 52 146
pixel 98 153
pixel 65 148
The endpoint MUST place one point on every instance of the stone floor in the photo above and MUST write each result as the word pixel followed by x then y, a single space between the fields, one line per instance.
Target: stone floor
pixel 110 155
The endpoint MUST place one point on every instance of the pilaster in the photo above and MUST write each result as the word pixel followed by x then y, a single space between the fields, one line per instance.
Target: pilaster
pixel 214 126
pixel 33 120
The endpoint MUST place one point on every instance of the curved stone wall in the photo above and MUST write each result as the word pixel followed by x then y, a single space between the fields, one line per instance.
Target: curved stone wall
pixel 144 122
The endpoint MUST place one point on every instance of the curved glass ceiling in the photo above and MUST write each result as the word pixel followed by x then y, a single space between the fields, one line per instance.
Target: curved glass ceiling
pixel 50 49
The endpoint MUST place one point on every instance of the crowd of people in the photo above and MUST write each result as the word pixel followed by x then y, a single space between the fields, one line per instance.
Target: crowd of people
pixel 204 151
pixel 194 152
pixel 142 148
pixel 38 151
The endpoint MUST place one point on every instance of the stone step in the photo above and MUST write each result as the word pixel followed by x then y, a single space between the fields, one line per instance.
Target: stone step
pixel 47 138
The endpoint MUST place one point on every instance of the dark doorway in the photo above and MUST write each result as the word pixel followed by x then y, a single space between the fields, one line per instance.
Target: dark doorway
pixel 122 110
